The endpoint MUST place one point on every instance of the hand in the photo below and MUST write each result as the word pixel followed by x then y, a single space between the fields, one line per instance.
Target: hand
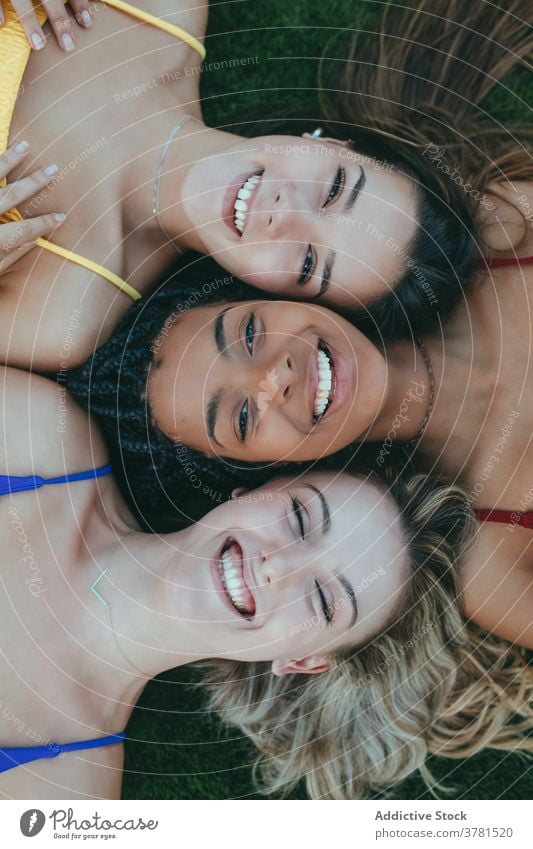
pixel 57 16
pixel 18 237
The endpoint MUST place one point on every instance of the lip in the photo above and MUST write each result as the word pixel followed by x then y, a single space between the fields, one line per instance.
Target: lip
pixel 219 587
pixel 341 376
pixel 312 382
pixel 230 196
pixel 340 385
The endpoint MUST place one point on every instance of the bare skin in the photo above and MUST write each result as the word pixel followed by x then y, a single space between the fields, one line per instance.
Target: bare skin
pixel 64 677
pixel 85 116
pixel 484 371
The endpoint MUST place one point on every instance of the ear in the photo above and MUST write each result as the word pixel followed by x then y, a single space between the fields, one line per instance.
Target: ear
pixel 308 665
pixel 502 219
pixel 238 491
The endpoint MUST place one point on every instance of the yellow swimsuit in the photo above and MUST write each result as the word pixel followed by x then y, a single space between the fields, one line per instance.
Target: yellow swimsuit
pixel 14 55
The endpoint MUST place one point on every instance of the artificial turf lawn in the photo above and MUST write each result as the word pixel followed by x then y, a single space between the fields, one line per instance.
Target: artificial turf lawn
pixel 175 749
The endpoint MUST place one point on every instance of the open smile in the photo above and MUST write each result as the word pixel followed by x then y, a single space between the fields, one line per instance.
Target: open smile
pixel 323 384
pixel 230 579
pixel 239 199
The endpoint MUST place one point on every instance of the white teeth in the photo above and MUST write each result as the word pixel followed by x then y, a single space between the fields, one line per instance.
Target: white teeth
pixel 243 196
pixel 232 580
pixel 325 380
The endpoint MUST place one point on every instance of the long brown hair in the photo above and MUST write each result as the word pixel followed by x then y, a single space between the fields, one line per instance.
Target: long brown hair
pixel 423 77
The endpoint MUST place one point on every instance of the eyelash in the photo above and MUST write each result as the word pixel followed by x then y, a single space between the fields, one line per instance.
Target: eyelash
pixel 309 264
pixel 328 613
pixel 298 511
pixel 250 324
pixel 243 415
pixel 337 186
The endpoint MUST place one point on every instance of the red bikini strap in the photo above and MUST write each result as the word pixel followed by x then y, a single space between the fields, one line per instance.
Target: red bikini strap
pixel 499 262
pixel 507 517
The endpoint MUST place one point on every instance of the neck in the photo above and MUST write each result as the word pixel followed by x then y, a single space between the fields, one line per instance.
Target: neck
pixel 144 635
pixel 407 395
pixel 192 141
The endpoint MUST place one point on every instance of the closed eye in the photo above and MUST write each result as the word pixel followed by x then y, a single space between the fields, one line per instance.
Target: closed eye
pixel 326 608
pixel 298 511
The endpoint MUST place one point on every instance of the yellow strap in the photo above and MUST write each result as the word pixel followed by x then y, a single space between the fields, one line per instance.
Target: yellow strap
pixel 91 266
pixel 172 29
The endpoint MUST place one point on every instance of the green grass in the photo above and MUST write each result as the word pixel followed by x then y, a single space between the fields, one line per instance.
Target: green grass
pixel 176 750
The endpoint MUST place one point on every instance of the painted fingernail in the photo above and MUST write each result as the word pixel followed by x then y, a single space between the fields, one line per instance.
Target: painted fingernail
pixel 86 18
pixel 68 42
pixel 50 170
pixel 59 217
pixel 37 41
pixel 22 147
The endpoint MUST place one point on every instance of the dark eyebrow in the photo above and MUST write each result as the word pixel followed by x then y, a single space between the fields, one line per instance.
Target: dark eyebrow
pixel 211 416
pixel 220 333
pixel 326 515
pixel 344 582
pixel 355 191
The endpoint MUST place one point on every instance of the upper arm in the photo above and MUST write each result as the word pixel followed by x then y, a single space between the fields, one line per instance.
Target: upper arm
pixel 498 583
pixel 43 430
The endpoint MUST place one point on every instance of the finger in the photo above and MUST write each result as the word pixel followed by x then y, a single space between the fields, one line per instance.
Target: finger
pixel 60 23
pixel 19 233
pixel 14 256
pixel 2 16
pixel 15 193
pixel 82 12
pixel 30 23
pixel 11 158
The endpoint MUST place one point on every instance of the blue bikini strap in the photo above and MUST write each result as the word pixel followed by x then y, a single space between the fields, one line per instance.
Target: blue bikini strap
pixel 12 756
pixel 12 483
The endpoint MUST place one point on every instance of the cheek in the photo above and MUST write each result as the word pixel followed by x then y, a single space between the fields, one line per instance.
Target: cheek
pixel 267 265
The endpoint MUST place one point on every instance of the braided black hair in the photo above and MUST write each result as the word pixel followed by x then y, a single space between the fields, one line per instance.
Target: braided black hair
pixel 167 484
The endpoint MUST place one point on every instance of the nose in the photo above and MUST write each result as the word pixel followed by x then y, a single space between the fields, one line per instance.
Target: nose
pixel 283 213
pixel 276 380
pixel 276 569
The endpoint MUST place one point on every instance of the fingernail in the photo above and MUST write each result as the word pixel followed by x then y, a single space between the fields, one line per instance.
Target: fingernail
pixel 68 42
pixel 87 18
pixel 50 170
pixel 37 41
pixel 22 147
pixel 59 217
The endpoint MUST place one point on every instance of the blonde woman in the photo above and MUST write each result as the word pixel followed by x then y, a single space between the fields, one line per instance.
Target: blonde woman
pixel 328 604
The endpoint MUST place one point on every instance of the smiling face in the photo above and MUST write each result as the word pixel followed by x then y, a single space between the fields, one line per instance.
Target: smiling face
pixel 292 571
pixel 266 381
pixel 303 218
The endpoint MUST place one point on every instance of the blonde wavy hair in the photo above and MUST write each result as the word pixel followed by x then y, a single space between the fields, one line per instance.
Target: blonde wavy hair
pixel 428 685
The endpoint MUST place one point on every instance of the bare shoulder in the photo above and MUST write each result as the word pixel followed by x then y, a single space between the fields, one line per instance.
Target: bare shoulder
pixel 497 579
pixel 88 774
pixel 43 429
pixel 189 16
